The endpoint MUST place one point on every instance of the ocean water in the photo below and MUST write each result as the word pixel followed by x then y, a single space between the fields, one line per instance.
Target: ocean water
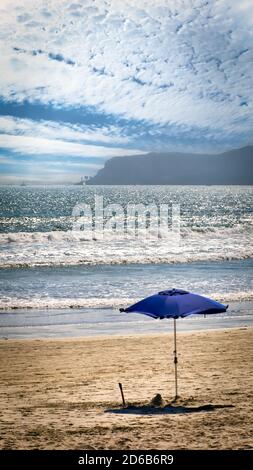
pixel 37 222
pixel 56 282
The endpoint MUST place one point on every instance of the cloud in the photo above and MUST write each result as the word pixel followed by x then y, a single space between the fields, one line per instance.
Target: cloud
pixel 39 146
pixel 6 160
pixel 44 170
pixel 177 66
pixel 34 52
pixel 109 135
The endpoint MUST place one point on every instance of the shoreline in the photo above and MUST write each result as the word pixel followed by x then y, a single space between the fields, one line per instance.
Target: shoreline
pixel 117 336
pixel 76 323
pixel 63 393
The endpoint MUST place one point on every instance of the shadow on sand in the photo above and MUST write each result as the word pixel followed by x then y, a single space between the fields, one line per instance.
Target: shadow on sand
pixel 167 409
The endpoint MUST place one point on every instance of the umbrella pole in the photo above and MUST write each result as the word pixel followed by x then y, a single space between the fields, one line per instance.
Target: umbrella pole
pixel 175 356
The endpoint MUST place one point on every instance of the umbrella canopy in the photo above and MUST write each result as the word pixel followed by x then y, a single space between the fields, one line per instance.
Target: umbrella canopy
pixel 175 303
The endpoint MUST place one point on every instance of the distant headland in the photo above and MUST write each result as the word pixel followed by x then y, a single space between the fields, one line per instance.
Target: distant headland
pixel 230 168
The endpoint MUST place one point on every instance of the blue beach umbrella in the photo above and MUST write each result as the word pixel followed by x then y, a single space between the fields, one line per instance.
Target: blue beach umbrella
pixel 175 303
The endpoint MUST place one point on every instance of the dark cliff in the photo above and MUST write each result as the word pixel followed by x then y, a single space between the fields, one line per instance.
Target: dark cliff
pixel 233 167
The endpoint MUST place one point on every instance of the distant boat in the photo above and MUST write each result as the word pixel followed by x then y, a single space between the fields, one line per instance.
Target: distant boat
pixel 82 181
pixel 23 183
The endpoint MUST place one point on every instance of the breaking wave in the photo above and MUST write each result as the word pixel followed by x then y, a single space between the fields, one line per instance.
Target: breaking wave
pixel 60 248
pixel 15 303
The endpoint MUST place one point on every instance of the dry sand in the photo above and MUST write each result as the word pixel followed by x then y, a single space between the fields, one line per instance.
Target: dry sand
pixel 55 393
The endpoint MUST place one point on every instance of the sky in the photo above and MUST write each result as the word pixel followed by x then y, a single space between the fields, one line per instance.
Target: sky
pixel 87 80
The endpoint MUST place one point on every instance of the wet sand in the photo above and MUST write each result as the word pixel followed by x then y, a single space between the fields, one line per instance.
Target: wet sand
pixel 63 394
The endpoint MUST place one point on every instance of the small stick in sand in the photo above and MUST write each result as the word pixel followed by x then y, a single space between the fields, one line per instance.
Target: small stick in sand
pixel 122 395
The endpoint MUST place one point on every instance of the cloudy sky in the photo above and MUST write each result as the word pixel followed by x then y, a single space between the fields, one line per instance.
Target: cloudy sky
pixel 86 80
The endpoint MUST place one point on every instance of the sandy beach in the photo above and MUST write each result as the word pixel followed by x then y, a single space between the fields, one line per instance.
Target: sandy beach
pixel 56 394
